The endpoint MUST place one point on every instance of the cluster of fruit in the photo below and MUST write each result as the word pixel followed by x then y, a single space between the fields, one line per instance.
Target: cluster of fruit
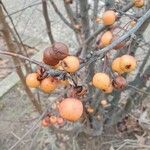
pixel 52 120
pixel 109 17
pixel 70 109
pixel 58 58
pixel 123 64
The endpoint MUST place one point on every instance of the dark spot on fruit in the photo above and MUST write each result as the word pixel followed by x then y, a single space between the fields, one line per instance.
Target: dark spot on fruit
pixel 128 66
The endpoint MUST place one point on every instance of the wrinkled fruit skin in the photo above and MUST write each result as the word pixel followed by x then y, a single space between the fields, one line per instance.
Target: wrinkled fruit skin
pixel 106 38
pixel 119 82
pixel 116 66
pixel 127 63
pixel 71 64
pixel 32 81
pixel 109 17
pixel 71 109
pixel 101 81
pixel 52 55
pixel 48 84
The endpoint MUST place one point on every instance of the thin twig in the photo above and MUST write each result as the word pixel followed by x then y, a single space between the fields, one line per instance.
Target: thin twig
pixel 23 9
pixel 139 90
pixel 125 36
pixel 47 21
pixel 102 27
pixel 61 16
pixel 17 34
pixel 50 71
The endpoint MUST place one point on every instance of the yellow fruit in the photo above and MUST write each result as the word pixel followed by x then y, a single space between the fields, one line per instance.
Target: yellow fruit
pixel 106 38
pixel 70 64
pixel 116 66
pixel 32 81
pixel 48 84
pixel 139 3
pixel 101 81
pixel 109 17
pixel 127 63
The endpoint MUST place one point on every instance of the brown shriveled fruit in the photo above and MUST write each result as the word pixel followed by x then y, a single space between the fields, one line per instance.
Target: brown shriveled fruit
pixel 116 66
pixel 119 82
pixel 48 57
pixel 109 17
pixel 101 81
pixel 139 3
pixel 32 81
pixel 71 109
pixel 127 63
pixel 52 55
pixel 106 38
pixel 49 84
pixel 70 64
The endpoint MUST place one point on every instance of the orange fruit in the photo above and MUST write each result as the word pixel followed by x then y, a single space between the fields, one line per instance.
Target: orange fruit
pixel 116 66
pixel 60 120
pixel 109 17
pixel 53 119
pixel 127 63
pixel 101 81
pixel 48 84
pixel 45 122
pixel 32 81
pixel 71 109
pixel 70 64
pixel 139 3
pixel 109 89
pixel 106 38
